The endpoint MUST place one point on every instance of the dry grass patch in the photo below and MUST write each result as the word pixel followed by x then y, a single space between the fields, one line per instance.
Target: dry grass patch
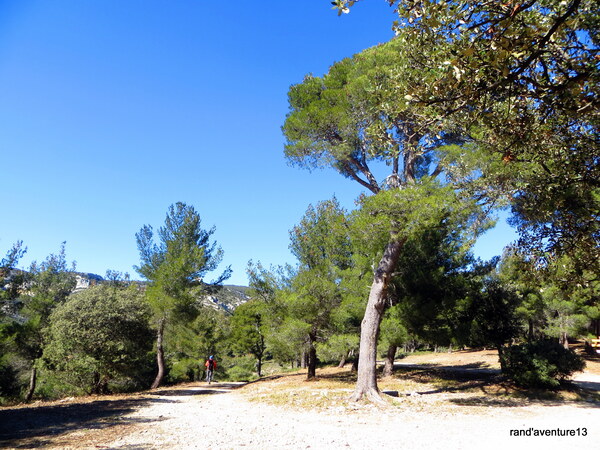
pixel 467 380
pixel 330 389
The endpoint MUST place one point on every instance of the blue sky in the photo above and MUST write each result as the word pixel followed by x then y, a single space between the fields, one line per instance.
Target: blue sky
pixel 111 111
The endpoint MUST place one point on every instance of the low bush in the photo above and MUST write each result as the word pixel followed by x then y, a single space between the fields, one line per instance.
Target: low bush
pixel 541 364
pixel 186 369
pixel 241 368
pixel 9 386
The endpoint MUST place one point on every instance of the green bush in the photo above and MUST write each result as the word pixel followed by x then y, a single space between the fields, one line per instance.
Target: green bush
pixel 186 369
pixel 100 335
pixel 241 368
pixel 9 386
pixel 53 385
pixel 542 363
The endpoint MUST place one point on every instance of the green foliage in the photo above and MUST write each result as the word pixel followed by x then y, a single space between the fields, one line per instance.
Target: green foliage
pixel 248 330
pixel 430 278
pixel 185 370
pixel 519 274
pixel 9 383
pixel 393 328
pixel 99 335
pixel 54 385
pixel 33 296
pixel 11 281
pixel 321 242
pixel 522 79
pixel 360 115
pixel 241 368
pixel 180 259
pixel 557 297
pixel 542 363
pixel 491 315
pixel 11 285
pixel 183 254
pixel 571 297
pixel 287 341
pixel 188 344
pixel 357 115
pixel 322 237
pixel 338 347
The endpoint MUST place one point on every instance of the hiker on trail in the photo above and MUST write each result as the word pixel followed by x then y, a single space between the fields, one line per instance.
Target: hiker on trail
pixel 211 365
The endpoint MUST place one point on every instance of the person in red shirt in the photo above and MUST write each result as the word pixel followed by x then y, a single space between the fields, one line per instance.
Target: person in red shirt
pixel 211 365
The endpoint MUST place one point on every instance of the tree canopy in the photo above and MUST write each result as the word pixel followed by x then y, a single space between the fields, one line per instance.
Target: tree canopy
pixel 524 77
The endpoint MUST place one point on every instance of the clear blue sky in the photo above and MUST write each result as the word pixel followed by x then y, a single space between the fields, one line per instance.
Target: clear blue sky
pixel 110 111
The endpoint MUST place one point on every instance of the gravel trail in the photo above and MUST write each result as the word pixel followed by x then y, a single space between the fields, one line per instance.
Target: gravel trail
pixel 220 418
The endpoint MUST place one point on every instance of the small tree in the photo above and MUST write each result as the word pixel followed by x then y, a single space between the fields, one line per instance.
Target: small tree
pixel 271 288
pixel 248 334
pixel 492 315
pixel 322 245
pixel 49 284
pixel 175 266
pixel 11 286
pixel 100 334
pixel 393 335
pixel 544 363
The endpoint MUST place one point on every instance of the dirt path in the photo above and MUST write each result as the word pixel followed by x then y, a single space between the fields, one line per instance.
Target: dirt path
pixel 220 417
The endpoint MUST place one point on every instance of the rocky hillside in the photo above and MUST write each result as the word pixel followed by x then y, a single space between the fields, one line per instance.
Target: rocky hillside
pixel 227 298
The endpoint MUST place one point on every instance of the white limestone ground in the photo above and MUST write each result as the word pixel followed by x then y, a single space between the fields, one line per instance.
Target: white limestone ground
pixel 226 420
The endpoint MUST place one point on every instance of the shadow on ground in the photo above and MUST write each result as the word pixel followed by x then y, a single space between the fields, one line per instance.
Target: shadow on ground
pixel 212 389
pixel 493 388
pixel 588 385
pixel 37 425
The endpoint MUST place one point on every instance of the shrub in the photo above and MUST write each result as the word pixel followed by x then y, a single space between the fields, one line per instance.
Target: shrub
pixel 542 363
pixel 100 335
pixel 9 386
pixel 241 368
pixel 186 369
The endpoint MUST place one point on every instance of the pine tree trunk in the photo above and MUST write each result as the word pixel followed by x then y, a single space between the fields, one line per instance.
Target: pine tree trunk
pixel 388 368
pixel 96 384
pixel 564 340
pixel 32 383
pixel 500 349
pixel 304 359
pixel 312 359
pixel 366 383
pixel 259 367
pixel 160 356
pixel 530 331
pixel 261 352
pixel 342 362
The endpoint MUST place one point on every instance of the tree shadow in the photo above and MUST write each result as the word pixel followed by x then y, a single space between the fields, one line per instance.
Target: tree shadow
pixel 32 423
pixel 263 379
pixel 36 425
pixel 347 376
pixel 188 392
pixel 587 385
pixel 493 388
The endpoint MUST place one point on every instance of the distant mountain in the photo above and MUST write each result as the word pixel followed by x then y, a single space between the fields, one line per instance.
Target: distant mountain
pixel 226 299
pixel 85 280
